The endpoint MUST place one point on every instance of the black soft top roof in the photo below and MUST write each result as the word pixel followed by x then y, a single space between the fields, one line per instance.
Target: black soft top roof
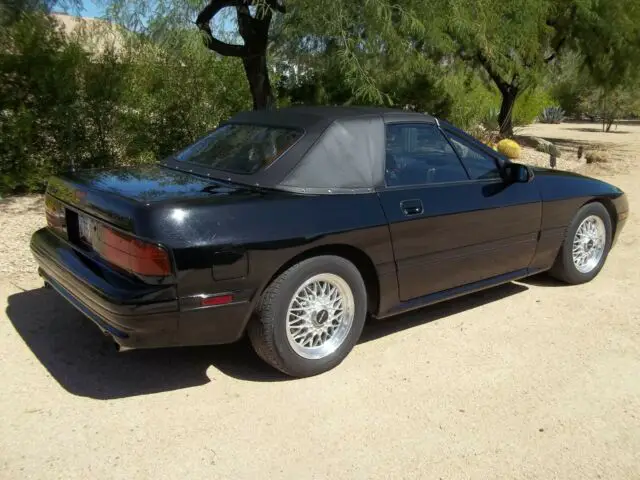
pixel 310 117
pixel 342 149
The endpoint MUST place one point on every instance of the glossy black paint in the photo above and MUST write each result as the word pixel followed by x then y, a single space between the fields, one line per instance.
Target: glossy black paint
pixel 468 231
pixel 413 245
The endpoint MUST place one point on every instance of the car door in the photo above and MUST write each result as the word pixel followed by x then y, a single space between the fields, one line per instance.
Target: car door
pixel 453 220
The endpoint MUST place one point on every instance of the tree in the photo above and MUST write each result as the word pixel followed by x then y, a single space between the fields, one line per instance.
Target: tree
pixel 363 45
pixel 609 42
pixel 611 104
pixel 512 42
pixel 253 27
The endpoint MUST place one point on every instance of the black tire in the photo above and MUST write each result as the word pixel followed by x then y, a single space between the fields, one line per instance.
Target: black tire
pixel 267 328
pixel 564 268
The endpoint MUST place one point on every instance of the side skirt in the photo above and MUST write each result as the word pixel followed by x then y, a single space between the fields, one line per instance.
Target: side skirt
pixel 437 297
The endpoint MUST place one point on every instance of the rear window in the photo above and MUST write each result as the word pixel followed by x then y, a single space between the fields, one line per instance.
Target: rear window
pixel 241 149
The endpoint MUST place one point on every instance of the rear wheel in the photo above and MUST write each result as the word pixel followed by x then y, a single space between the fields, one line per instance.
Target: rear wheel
pixel 310 317
pixel 586 245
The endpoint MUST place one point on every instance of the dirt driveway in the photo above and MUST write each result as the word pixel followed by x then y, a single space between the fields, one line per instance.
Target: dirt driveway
pixel 528 380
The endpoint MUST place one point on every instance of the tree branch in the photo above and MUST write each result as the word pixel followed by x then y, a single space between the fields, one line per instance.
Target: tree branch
pixel 556 50
pixel 561 31
pixel 249 27
pixel 277 5
pixel 495 76
pixel 254 30
pixel 203 21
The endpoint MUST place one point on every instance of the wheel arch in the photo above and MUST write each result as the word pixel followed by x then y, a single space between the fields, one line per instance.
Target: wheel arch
pixel 611 209
pixel 358 257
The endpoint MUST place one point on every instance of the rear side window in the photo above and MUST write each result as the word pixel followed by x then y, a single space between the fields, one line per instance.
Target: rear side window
pixel 418 154
pixel 241 149
pixel 479 165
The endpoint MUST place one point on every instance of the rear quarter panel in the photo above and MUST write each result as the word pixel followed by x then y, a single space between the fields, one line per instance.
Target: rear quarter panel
pixel 240 245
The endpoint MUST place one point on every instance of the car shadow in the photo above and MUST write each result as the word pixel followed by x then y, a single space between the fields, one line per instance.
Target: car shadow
pixel 380 328
pixel 85 363
pixel 543 280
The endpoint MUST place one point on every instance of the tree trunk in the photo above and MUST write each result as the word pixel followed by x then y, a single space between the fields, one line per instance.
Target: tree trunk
pixel 255 67
pixel 505 118
pixel 610 123
pixel 253 27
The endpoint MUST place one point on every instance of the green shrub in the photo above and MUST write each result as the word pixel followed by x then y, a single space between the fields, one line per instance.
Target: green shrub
pixel 61 105
pixel 472 102
pixel 530 105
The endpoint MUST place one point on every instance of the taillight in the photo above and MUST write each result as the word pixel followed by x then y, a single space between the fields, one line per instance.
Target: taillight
pixel 130 253
pixel 55 213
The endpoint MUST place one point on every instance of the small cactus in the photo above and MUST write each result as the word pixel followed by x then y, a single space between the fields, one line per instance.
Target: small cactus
pixel 546 146
pixel 597 157
pixel 509 148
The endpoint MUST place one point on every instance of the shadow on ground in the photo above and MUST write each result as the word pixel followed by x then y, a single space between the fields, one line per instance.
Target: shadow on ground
pixel 85 363
pixel 543 280
pixel 597 130
pixel 380 328
pixel 571 143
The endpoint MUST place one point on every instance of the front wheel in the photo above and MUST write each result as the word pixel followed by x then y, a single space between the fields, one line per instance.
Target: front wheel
pixel 310 317
pixel 586 245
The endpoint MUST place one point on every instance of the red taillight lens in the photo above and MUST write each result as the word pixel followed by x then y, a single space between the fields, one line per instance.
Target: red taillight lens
pixel 131 254
pixel 54 211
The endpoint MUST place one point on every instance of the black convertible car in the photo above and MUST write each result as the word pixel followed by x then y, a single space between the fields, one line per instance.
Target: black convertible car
pixel 293 225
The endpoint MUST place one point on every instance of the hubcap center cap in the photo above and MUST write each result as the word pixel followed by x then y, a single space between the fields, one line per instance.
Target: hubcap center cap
pixel 321 317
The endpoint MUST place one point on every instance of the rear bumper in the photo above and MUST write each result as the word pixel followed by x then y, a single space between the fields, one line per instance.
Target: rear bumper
pixel 135 315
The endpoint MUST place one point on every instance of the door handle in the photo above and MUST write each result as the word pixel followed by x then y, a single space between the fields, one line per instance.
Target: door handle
pixel 412 207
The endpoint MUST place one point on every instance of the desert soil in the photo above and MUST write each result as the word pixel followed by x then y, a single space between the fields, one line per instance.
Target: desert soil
pixel 529 380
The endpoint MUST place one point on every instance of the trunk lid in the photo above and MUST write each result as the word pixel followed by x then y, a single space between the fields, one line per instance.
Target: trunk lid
pixel 126 197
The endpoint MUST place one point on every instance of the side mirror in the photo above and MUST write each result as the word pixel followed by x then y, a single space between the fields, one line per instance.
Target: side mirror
pixel 516 173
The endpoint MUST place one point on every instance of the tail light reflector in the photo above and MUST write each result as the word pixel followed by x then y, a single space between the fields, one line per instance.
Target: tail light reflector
pixel 217 300
pixel 130 253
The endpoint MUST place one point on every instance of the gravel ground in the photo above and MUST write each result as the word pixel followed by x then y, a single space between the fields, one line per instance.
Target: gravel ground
pixel 19 218
pixel 529 380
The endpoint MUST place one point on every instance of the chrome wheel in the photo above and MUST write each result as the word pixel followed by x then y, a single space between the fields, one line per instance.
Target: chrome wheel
pixel 589 243
pixel 320 316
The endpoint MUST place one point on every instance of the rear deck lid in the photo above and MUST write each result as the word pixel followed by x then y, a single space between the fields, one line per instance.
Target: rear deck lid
pixel 122 196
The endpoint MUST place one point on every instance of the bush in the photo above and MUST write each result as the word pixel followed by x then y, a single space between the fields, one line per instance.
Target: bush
pixel 61 105
pixel 530 105
pixel 39 78
pixel 473 102
pixel 596 156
